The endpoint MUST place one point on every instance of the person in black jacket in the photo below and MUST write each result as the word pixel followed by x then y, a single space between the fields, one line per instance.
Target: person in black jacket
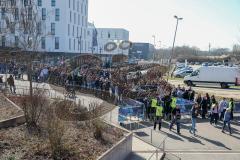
pixel 167 106
pixel 176 113
pixel 204 106
pixel 208 101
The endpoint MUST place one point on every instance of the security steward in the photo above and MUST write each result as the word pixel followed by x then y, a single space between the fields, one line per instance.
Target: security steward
pixel 158 115
pixel 173 104
pixel 153 108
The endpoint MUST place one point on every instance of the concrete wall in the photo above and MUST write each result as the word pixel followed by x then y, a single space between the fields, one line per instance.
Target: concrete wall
pixel 119 151
pixel 12 122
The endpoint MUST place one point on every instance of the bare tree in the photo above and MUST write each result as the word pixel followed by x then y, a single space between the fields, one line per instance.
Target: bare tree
pixel 22 29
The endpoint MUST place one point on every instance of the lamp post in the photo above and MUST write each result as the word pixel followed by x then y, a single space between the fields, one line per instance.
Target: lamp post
pixel 175 34
pixel 154 43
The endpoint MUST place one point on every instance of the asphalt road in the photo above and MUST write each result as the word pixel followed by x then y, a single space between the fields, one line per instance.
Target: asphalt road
pixel 217 91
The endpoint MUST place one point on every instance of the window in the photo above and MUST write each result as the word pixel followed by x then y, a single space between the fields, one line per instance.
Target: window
pixel 3 12
pixel 79 19
pixel 78 6
pixel 73 4
pixel 57 14
pixel 12 27
pixel 77 31
pixel 3 41
pixel 53 28
pixel 13 2
pixel 70 44
pixel 81 8
pixel 70 16
pixel 74 18
pixel 16 41
pixel 29 13
pixel 16 14
pixel 69 3
pixel 53 3
pixel 195 73
pixel 44 14
pixel 39 3
pixel 43 42
pixel 39 28
pixel 74 44
pixel 73 31
pixel 25 2
pixel 68 29
pixel 109 35
pixel 82 21
pixel 56 42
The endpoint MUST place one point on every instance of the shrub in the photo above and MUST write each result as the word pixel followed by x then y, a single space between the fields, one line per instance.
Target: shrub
pixel 55 131
pixel 33 107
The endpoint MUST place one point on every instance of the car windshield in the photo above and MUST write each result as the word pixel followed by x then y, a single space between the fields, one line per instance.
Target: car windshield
pixel 195 73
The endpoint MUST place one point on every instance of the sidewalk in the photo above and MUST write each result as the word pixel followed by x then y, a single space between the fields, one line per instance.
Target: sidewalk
pixel 142 151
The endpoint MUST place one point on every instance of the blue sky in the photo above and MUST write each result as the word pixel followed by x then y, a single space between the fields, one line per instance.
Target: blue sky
pixel 205 21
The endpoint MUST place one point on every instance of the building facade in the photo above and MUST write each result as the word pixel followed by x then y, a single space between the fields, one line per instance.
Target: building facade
pixel 106 38
pixel 141 51
pixel 63 25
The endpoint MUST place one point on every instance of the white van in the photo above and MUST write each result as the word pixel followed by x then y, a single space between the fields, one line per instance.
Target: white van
pixel 223 76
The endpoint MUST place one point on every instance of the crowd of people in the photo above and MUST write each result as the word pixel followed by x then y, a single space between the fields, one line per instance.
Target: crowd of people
pixel 159 104
pixel 203 107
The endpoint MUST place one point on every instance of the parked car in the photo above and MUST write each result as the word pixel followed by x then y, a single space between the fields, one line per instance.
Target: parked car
pixel 197 63
pixel 205 64
pixel 183 73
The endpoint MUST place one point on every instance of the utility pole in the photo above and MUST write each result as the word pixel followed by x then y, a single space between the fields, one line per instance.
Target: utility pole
pixel 174 39
pixel 209 48
pixel 154 43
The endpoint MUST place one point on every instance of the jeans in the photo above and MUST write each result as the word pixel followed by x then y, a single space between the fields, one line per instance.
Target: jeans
pixel 229 126
pixel 177 121
pixel 159 121
pixel 193 127
pixel 214 118
pixel 222 114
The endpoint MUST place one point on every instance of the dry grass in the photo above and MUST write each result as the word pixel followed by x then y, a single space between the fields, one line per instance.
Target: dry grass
pixel 58 139
pixel 7 110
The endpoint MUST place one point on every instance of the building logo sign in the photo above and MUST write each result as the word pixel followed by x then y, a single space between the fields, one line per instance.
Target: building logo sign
pixel 111 46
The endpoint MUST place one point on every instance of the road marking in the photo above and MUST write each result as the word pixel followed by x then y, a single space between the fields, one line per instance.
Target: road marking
pixel 204 151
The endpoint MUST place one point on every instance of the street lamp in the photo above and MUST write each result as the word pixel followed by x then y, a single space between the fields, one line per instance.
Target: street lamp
pixel 170 60
pixel 154 41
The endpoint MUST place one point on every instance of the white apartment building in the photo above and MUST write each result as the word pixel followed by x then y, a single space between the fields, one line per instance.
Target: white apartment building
pixel 106 35
pixel 64 25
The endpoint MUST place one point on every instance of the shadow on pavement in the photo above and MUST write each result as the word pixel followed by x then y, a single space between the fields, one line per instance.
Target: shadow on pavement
pixel 217 143
pixel 172 136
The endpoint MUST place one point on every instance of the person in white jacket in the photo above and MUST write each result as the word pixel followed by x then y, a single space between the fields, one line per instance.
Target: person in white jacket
pixel 223 104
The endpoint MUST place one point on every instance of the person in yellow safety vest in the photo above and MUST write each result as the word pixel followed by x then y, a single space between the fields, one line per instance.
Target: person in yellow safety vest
pixel 153 108
pixel 158 117
pixel 231 106
pixel 173 103
pixel 154 103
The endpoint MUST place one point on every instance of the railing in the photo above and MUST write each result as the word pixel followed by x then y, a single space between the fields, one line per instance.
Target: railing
pixel 160 149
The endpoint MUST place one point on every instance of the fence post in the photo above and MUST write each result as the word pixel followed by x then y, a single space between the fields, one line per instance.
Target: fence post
pixel 156 154
pixel 151 136
pixel 111 117
pixel 164 145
